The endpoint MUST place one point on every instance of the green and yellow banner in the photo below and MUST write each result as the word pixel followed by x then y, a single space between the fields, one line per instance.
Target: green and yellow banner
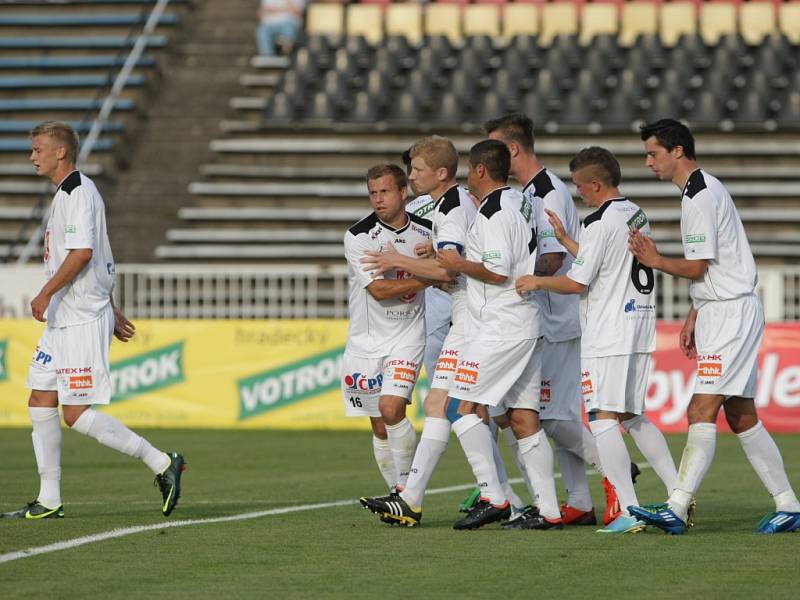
pixel 208 374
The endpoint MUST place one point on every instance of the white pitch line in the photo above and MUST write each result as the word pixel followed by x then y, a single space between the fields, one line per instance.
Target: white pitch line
pixel 118 533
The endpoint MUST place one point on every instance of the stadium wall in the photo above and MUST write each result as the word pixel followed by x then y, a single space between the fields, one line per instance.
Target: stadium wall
pixel 286 374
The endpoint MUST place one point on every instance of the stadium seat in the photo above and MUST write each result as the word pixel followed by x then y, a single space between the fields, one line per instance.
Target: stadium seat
pixel 557 19
pixel 70 62
pixel 449 111
pixel 756 21
pixel 445 20
pixel 677 19
pixel 406 20
pixel 789 21
pixel 61 105
pixel 520 19
pixel 77 41
pixel 788 117
pixel 80 20
pixel 637 18
pixel 533 106
pixel 24 82
pixel 325 19
pixel 280 108
pixel 482 19
pixel 598 18
pixel 717 19
pixel 365 20
pixel 364 110
pixel 404 110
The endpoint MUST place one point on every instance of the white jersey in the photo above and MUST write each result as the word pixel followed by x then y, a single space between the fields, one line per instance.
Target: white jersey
pixel 559 312
pixel 78 220
pixel 438 306
pixel 501 238
pixel 617 310
pixel 712 230
pixel 378 326
pixel 452 217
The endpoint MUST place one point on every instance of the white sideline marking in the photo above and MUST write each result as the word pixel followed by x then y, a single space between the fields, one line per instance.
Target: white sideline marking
pixel 118 533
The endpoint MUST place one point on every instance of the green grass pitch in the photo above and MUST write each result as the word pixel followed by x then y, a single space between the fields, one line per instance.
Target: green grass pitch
pixel 344 551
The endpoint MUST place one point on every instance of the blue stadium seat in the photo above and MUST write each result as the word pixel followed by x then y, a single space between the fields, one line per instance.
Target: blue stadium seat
pixel 80 20
pixel 70 62
pixel 85 41
pixel 52 104
pixel 63 81
pixel 24 126
pixel 24 144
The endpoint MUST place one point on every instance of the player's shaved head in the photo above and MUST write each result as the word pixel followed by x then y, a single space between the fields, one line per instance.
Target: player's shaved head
pixel 599 164
pixel 670 133
pixel 517 128
pixel 63 134
pixel 438 153
pixel 494 156
pixel 396 172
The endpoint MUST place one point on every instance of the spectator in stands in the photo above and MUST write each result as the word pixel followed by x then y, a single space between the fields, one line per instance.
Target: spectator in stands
pixel 280 22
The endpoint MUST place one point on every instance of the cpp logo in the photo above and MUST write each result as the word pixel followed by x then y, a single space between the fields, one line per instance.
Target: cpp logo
pixel 42 357
pixel 360 382
pixel 630 306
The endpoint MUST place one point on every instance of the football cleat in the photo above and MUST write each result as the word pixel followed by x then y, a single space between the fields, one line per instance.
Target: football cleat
pixel 663 518
pixel 34 510
pixel 613 509
pixel 779 522
pixel 470 501
pixel 624 524
pixel 531 519
pixel 392 509
pixel 169 482
pixel 574 516
pixel 482 514
pixel 662 505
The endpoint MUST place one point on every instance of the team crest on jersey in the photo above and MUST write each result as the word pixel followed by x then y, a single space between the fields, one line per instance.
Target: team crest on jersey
pixel 637 221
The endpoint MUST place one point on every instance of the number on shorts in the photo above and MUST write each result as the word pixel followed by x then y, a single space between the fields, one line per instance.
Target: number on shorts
pixel 356 402
pixel 636 277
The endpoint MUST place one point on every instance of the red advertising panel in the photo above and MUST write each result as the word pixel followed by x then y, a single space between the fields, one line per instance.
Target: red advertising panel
pixel 778 391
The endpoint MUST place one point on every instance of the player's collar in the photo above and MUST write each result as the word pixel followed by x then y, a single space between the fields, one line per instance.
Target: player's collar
pixel 455 185
pixel 500 189
pixel 530 183
pixel 688 181
pixel 67 176
pixel 392 229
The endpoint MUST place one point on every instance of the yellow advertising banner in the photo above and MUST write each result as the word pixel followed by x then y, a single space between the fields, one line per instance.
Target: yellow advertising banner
pixel 209 374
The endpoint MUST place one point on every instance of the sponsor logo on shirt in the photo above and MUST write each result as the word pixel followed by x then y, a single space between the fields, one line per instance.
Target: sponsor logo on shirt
pixel 401 374
pixel 41 358
pixel 525 208
pixel 74 371
pixel 80 382
pixel 420 230
pixel 3 369
pixel 631 306
pixel 293 382
pixel 361 382
pixel 446 364
pixel 375 233
pixel 587 388
pixel 110 268
pixel 578 261
pixel 637 221
pixel 546 392
pixel 694 238
pixel 709 366
pixel 491 256
pixel 547 233
pixel 468 376
pixel 70 229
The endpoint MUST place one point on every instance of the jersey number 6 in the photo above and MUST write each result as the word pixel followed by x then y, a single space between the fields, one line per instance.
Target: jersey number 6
pixel 637 269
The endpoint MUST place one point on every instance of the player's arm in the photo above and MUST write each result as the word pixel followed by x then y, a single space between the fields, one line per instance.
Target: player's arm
pixel 73 264
pixel 123 328
pixel 561 234
pixel 686 338
pixel 547 264
pixel 646 252
pixel 561 284
pixel 377 263
pixel 385 289
pixel 453 261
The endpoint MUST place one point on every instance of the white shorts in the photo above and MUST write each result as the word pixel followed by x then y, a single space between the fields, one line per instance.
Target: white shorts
pixel 433 348
pixel 501 375
pixel 561 381
pixel 615 383
pixel 365 380
pixel 447 364
pixel 728 335
pixel 74 361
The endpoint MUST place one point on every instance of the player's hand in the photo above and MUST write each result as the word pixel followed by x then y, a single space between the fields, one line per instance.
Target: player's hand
pixel 450 260
pixel 377 263
pixel 558 227
pixel 643 248
pixel 39 306
pixel 686 339
pixel 123 328
pixel 424 250
pixel 527 284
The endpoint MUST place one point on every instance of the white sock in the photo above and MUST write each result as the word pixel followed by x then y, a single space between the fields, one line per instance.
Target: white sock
pixel 538 458
pixel 110 432
pixel 476 440
pixel 514 445
pixel 766 459
pixel 402 442
pixel 383 456
pixel 589 451
pixel 568 439
pixel 696 459
pixel 616 460
pixel 502 474
pixel 432 444
pixel 653 446
pixel 46 436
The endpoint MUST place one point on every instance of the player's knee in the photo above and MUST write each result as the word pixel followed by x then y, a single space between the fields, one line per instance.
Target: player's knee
pixel 72 414
pixel 393 413
pixel 43 399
